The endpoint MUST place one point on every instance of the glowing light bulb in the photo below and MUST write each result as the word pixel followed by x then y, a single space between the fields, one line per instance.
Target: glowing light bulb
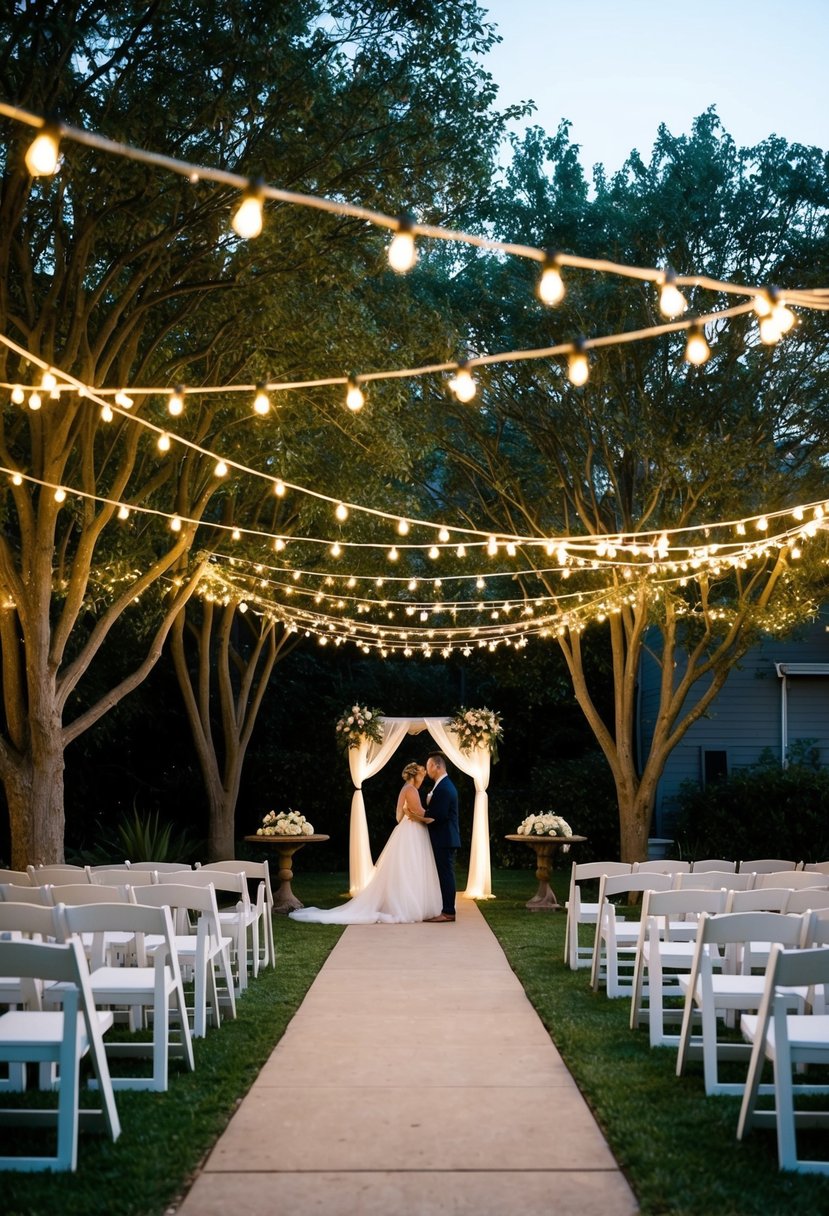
pixel 48 382
pixel 220 469
pixel 551 285
pixel 124 401
pixel 769 330
pixel 783 316
pixel 163 442
pixel 247 219
pixel 35 401
pixel 175 524
pixel 236 534
pixel 460 551
pixel 762 305
pixel 336 549
pixel 403 527
pixel 393 554
pixel 279 544
pixel 261 402
pixel 106 413
pixel 480 584
pixel 672 302
pixel 492 546
pixel 402 252
pixel 434 552
pixel 354 397
pixel 762 524
pixel 279 488
pixel 578 367
pixel 443 535
pixel 697 350
pixel 18 396
pixel 43 155
pixel 175 402
pixel 462 384
pixel 17 480
pixel 242 606
pixel 60 494
pixel 123 512
pixel 341 512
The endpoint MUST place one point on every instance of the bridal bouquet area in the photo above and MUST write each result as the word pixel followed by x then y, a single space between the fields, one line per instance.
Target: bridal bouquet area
pixel 544 825
pixel 285 823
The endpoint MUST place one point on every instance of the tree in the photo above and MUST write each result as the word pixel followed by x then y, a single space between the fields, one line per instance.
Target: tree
pixel 117 274
pixel 650 443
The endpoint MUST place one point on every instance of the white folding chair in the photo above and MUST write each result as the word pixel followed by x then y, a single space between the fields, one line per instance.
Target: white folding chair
pixel 758 899
pixel 121 876
pixel 580 912
pixel 662 865
pixel 667 940
pixel 709 991
pixel 256 871
pixel 10 892
pixel 810 899
pixel 156 987
pixel 238 920
pixel 713 863
pixel 160 867
pixel 795 880
pixel 769 865
pixel 40 875
pixel 817 867
pixel 20 878
pixel 614 947
pixel 61 1038
pixel 789 1041
pixel 203 951
pixel 713 880
pixel 18 922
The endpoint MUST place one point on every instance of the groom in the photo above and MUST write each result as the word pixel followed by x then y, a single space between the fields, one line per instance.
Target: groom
pixel 442 803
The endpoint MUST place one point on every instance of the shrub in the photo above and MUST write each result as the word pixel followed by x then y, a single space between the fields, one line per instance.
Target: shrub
pixel 760 811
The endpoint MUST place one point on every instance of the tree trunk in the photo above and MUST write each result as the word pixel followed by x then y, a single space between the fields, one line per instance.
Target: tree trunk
pixel 221 835
pixel 34 793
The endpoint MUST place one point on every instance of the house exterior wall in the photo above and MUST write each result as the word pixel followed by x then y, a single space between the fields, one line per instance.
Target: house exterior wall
pixel 746 716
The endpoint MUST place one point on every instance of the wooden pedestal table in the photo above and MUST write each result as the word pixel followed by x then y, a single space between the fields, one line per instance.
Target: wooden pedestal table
pixel 284 899
pixel 544 846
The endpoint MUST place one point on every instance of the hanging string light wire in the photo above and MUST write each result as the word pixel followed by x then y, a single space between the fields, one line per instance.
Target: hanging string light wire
pixel 195 173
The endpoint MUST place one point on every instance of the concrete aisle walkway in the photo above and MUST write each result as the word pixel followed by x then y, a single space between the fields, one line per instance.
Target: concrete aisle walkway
pixel 415 1078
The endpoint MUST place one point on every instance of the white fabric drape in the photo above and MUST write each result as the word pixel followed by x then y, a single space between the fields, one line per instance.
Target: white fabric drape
pixel 367 760
pixel 364 761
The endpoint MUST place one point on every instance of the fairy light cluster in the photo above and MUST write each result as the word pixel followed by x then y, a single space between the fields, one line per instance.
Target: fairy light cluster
pixel 340 607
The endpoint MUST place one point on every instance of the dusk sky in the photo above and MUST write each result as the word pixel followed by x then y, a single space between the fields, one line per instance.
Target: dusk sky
pixel 617 68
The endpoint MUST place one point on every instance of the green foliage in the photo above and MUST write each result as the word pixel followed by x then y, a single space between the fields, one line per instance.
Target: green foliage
pixel 760 811
pixel 147 838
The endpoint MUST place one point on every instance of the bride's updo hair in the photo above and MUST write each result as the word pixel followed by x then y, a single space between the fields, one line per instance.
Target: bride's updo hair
pixel 411 770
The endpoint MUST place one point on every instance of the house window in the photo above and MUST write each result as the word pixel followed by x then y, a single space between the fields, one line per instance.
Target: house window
pixel 714 766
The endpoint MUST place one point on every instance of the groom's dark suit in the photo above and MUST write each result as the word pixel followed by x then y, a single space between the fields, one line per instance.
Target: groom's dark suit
pixel 446 838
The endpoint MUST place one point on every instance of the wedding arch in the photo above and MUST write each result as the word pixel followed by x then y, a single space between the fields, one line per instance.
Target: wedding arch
pixel 369 757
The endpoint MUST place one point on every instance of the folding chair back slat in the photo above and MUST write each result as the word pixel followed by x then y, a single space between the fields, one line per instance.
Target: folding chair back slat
pixel 713 863
pixel 581 912
pixel 769 865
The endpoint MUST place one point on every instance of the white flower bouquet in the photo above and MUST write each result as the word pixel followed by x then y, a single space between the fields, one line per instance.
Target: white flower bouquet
pixel 357 723
pixel 477 728
pixel 285 823
pixel 544 825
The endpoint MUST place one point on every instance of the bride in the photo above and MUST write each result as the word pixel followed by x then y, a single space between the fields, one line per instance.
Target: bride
pixel 404 887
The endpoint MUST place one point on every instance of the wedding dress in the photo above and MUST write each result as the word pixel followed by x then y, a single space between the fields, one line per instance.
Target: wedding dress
pixel 404 888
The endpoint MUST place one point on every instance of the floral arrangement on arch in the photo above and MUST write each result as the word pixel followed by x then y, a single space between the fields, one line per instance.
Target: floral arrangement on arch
pixel 477 728
pixel 357 723
pixel 547 824
pixel 285 823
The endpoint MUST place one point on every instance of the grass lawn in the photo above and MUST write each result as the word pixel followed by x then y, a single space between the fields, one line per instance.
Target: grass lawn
pixel 677 1147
